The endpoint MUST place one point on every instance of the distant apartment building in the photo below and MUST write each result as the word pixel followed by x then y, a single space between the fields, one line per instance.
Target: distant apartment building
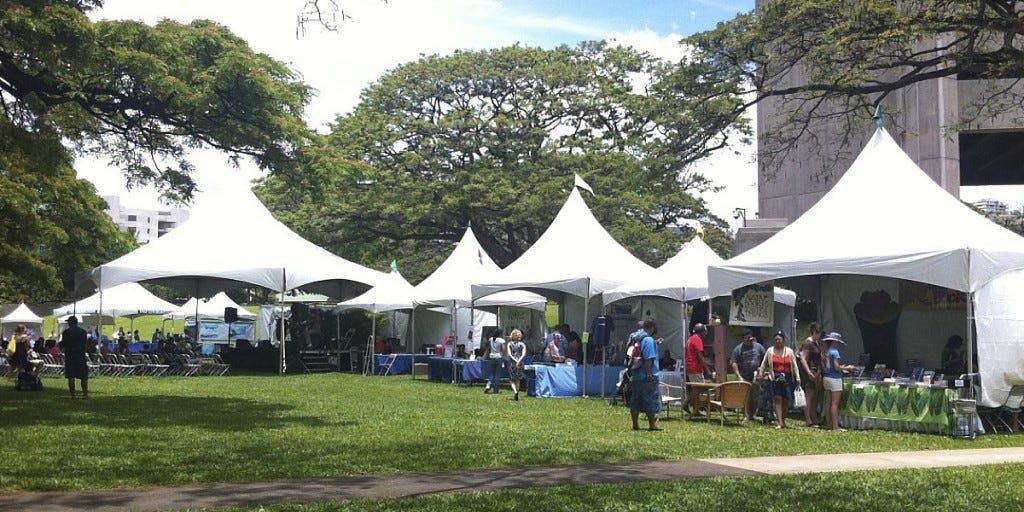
pixel 991 207
pixel 144 225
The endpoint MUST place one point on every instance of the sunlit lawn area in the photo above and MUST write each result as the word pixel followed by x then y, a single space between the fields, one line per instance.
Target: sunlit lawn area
pixel 144 431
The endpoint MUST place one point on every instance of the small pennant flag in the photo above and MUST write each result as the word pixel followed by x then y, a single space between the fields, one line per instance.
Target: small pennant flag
pixel 480 256
pixel 394 265
pixel 578 182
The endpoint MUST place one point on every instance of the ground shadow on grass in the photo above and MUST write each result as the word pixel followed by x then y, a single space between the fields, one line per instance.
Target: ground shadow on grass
pixel 50 408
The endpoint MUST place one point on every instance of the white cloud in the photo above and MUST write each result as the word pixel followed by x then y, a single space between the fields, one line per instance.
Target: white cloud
pixel 378 37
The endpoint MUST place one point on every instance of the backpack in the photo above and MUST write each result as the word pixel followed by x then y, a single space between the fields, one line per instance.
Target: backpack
pixel 634 357
pixel 28 382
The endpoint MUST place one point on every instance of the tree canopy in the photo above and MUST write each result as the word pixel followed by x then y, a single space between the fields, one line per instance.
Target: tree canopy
pixel 834 60
pixel 139 96
pixel 493 138
pixel 143 95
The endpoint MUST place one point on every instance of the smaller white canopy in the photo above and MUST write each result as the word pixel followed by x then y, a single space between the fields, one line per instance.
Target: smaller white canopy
pixel 209 308
pixel 452 280
pixel 392 293
pixel 21 315
pixel 684 277
pixel 128 299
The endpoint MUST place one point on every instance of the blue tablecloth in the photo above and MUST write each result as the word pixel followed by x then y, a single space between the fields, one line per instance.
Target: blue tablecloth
pixel 443 369
pixel 560 381
pixel 402 365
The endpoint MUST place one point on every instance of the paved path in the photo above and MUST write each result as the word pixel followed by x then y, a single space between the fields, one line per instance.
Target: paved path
pixel 417 484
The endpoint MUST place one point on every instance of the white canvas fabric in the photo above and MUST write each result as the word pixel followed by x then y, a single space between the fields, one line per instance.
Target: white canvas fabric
pixel 21 315
pixel 127 299
pixel 391 294
pixel 231 240
pixel 209 308
pixel 468 264
pixel 1000 336
pixel 884 217
pixel 575 255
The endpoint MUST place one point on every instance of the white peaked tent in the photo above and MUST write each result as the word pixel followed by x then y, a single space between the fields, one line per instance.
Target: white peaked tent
pixel 21 315
pixel 575 255
pixel 392 293
pixel 201 255
pixel 450 285
pixel 886 217
pixel 208 308
pixel 126 299
pixel 682 278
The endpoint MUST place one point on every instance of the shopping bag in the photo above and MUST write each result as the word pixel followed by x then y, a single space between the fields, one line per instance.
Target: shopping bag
pixel 799 400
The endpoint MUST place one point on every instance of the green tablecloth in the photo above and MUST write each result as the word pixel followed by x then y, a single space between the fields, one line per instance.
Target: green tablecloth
pixel 889 407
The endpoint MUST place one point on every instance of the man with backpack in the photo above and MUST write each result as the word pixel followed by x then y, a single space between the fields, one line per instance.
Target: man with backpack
pixel 646 396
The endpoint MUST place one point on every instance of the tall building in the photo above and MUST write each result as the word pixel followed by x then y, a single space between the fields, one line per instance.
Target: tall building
pixel 144 225
pixel 925 119
pixel 991 206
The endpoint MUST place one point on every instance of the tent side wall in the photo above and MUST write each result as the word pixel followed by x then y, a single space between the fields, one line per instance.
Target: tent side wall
pixel 1000 340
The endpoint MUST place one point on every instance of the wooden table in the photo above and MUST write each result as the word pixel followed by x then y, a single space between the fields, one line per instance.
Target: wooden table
pixel 702 395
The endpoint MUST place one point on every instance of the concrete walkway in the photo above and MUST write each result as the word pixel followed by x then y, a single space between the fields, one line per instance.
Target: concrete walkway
pixel 279 492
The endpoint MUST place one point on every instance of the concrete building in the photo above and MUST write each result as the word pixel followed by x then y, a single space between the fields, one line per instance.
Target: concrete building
pixel 991 207
pixel 144 225
pixel 927 121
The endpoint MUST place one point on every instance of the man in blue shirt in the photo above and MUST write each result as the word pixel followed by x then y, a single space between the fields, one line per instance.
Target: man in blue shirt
pixel 646 395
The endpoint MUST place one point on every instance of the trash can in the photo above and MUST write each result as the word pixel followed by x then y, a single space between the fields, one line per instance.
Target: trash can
pixel 965 418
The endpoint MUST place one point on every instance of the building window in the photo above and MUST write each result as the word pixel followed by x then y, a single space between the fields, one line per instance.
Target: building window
pixel 132 218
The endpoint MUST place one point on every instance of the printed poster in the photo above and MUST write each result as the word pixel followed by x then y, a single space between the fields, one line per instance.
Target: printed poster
pixel 753 305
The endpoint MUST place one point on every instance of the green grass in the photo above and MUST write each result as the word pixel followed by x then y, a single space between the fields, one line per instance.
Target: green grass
pixel 974 488
pixel 143 431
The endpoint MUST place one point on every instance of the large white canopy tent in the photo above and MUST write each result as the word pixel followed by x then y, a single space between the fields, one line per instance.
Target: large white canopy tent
pixel 200 256
pixel 885 218
pixel 20 315
pixel 450 286
pixel 576 258
pixel 392 294
pixel 683 278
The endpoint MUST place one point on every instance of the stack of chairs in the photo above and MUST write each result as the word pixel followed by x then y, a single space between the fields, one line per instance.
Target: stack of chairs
pixel 53 366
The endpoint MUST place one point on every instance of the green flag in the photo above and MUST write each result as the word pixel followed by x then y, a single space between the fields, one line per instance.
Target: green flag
pixel 394 265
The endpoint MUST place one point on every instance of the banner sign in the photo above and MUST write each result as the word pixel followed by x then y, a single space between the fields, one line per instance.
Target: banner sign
pixel 214 330
pixel 753 305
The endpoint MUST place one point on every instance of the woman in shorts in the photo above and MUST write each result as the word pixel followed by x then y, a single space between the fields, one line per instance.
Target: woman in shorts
pixel 833 377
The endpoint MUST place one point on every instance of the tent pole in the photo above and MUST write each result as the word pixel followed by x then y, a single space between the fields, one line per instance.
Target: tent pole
pixel 280 308
pixel 586 315
pixel 970 340
pixel 337 324
pixel 412 338
pixel 100 316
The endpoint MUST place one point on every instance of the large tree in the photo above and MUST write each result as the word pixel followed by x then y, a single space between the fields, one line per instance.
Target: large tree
pixel 51 224
pixel 833 61
pixel 492 139
pixel 140 96
pixel 144 95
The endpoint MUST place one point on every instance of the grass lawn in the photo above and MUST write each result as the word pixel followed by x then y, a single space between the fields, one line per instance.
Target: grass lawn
pixel 144 431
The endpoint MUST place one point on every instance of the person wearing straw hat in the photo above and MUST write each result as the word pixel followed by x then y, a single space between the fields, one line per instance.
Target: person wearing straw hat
pixel 833 377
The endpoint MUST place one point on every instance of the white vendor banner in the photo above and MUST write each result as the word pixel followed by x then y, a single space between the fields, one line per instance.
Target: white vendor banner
pixel 753 305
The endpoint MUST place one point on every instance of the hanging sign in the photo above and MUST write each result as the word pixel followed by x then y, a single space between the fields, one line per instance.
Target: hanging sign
pixel 753 305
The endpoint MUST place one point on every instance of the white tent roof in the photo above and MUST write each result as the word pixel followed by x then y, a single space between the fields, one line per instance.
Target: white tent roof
pixel 127 299
pixel 209 308
pixel 683 277
pixel 393 293
pixel 884 217
pixel 234 239
pixel 575 255
pixel 468 264
pixel 21 315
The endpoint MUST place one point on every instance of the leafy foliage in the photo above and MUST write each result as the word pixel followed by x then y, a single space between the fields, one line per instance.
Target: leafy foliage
pixel 143 95
pixel 832 61
pixel 51 224
pixel 140 96
pixel 492 139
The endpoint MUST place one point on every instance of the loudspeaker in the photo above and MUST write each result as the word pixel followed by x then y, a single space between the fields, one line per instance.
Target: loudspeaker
pixel 230 315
